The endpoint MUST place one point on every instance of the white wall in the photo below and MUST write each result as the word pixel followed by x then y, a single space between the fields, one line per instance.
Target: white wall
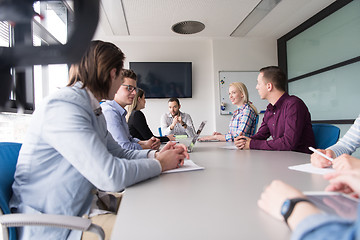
pixel 239 54
pixel 208 58
pixel 197 51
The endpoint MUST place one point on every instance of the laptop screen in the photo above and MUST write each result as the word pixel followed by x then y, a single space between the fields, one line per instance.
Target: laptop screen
pixel 193 141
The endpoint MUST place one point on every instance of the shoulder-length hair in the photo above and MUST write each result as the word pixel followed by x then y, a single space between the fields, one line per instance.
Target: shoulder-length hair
pixel 95 67
pixel 139 94
pixel 243 89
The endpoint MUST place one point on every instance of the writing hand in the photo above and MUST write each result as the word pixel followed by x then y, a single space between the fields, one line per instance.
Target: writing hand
pixel 321 162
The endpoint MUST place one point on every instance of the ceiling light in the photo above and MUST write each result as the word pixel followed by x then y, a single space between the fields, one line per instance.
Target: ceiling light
pixel 254 17
pixel 188 27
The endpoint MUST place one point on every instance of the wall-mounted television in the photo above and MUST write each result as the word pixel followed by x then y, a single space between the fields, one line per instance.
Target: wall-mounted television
pixel 164 79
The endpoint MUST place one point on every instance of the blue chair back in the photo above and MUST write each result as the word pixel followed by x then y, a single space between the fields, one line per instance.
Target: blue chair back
pixel 256 124
pixel 9 153
pixel 326 135
pixel 256 121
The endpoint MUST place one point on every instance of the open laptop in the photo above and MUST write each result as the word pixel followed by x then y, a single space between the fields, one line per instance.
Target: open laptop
pixel 193 140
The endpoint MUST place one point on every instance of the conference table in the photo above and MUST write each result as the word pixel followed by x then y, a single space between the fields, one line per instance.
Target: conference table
pixel 218 202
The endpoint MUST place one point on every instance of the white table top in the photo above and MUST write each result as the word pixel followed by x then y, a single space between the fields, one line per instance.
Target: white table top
pixel 219 202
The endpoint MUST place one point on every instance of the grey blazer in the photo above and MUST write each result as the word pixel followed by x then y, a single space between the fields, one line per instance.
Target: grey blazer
pixel 66 154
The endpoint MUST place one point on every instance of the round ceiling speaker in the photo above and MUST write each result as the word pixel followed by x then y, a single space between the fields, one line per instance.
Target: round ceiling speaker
pixel 188 27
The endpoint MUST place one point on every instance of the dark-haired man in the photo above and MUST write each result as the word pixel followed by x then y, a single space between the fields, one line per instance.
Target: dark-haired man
pixel 286 120
pixel 176 122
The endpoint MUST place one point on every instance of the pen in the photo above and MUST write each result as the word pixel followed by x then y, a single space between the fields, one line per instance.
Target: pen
pixel 321 154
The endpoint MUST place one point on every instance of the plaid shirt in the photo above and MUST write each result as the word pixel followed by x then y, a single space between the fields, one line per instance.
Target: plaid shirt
pixel 242 121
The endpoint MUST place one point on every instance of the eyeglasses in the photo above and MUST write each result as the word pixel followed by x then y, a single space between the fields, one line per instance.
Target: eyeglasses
pixel 130 88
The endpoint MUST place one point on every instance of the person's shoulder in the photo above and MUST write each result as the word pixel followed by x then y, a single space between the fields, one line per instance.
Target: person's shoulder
pixel 295 103
pixel 249 109
pixel 165 115
pixel 108 106
pixel 186 114
pixel 72 95
pixel 137 113
pixel 292 99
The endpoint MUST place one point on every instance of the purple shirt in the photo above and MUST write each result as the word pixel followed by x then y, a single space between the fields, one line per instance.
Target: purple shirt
pixel 289 124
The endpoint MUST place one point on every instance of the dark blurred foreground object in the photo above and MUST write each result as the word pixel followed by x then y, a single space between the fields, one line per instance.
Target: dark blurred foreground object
pixel 20 14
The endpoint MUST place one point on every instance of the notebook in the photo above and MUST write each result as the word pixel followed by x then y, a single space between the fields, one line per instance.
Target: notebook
pixel 193 141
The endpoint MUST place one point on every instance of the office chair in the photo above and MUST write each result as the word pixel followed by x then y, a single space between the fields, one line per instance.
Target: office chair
pixel 256 124
pixel 9 153
pixel 326 135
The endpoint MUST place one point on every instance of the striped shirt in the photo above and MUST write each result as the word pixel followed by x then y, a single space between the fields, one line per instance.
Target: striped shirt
pixel 242 121
pixel 350 141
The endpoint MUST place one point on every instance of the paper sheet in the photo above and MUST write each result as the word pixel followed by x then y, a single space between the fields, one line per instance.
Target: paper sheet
pixel 307 167
pixel 188 166
pixel 231 147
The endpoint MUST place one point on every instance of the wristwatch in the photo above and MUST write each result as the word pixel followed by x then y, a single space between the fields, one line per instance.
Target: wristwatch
pixel 184 124
pixel 288 206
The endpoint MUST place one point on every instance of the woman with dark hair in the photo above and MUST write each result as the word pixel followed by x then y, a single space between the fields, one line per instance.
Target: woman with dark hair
pixel 137 122
pixel 68 152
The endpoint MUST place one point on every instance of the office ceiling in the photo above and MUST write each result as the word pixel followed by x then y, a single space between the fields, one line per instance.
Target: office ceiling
pixel 154 18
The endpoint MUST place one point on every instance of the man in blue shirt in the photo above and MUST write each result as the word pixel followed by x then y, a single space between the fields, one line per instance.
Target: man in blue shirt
pixel 114 112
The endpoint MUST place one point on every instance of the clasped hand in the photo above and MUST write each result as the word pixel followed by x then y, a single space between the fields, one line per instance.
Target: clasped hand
pixel 242 142
pixel 177 119
pixel 152 143
pixel 172 156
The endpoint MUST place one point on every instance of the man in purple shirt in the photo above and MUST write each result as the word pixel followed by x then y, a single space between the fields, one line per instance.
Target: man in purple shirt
pixel 287 119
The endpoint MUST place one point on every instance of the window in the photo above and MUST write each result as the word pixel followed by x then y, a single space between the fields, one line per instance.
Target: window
pixel 322 60
pixel 33 83
pixel 4 34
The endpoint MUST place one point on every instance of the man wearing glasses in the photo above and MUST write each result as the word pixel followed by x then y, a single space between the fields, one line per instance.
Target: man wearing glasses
pixel 114 112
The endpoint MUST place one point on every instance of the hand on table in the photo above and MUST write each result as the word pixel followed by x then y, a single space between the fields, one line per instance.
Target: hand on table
pixel 171 137
pixel 172 156
pixel 242 142
pixel 152 143
pixel 274 196
pixel 346 162
pixel 346 181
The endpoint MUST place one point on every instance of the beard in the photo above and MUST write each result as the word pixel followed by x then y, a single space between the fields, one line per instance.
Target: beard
pixel 176 113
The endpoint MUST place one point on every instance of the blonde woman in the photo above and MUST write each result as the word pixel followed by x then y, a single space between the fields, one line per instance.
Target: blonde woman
pixel 243 121
pixel 138 126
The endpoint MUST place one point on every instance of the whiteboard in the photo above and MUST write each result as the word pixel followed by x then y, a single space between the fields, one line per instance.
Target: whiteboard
pixel 250 81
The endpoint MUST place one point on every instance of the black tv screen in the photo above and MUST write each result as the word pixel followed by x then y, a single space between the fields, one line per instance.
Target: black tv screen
pixel 164 79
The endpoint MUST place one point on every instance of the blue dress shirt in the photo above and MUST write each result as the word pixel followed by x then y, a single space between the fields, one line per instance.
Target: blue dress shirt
pixel 66 154
pixel 117 125
pixel 327 227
